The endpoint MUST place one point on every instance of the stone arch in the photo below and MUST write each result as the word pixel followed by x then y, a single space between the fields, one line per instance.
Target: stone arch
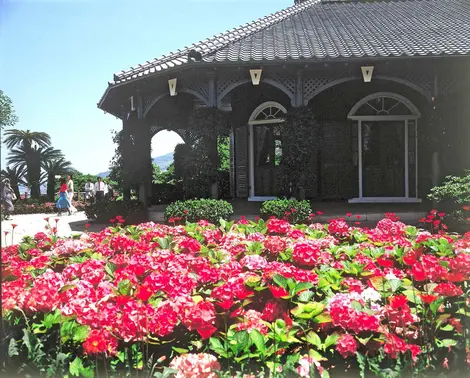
pixel 415 87
pixel 268 81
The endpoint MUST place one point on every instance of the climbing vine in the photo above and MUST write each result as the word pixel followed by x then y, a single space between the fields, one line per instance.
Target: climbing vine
pixel 301 140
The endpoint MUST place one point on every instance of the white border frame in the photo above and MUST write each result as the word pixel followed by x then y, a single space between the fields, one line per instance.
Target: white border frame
pixel 251 147
pixel 415 114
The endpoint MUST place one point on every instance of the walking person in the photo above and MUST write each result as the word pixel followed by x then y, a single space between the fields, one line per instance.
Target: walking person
pixel 100 189
pixel 70 193
pixel 63 203
pixel 89 190
pixel 8 196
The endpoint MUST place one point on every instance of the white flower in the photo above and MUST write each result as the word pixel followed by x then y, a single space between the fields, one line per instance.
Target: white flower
pixel 370 294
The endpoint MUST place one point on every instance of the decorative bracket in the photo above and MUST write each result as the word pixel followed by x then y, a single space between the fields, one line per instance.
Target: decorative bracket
pixel 367 73
pixel 172 86
pixel 256 76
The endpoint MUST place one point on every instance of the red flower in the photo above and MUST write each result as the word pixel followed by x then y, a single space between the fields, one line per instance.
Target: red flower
pixel 347 346
pixel 348 214
pixel 87 226
pixel 319 212
pixel 144 293
pixel 448 289
pixel 456 324
pixel 466 208
pixel 441 214
pixel 13 225
pixel 112 220
pixel 428 298
pixel 278 292
pixel 358 216
pixel 100 341
pixel 185 211
pixel 56 220
pixel 398 301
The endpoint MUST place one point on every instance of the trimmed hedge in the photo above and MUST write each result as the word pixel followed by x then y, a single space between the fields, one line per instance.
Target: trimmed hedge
pixel 291 210
pixel 198 209
pixel 103 211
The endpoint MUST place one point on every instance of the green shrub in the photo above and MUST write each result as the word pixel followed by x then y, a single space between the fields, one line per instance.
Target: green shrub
pixel 292 210
pixel 454 196
pixel 198 209
pixel 103 211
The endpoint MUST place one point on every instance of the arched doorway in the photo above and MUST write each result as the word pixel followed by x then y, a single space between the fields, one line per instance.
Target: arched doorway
pixel 264 149
pixel 386 129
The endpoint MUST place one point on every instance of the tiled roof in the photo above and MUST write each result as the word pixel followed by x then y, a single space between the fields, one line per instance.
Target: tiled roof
pixel 320 30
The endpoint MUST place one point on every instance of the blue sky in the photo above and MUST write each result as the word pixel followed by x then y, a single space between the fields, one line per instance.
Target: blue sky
pixel 58 55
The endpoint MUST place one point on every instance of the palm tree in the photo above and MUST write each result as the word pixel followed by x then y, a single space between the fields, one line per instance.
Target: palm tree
pixel 31 161
pixel 26 148
pixel 16 176
pixel 52 168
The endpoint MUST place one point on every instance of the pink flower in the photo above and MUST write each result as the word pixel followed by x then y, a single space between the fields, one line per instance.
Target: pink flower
pixel 347 346
pixel 200 365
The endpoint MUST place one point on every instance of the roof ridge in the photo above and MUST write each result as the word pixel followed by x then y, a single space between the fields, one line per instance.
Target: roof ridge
pixel 253 27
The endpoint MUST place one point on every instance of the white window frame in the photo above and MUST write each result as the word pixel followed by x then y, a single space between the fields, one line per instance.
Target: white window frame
pixel 251 145
pixel 415 115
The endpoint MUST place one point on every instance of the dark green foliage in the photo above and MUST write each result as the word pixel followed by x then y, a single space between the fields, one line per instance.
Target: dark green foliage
pixel 8 117
pixel 103 211
pixel 301 140
pixel 454 196
pixel 292 210
pixel 198 209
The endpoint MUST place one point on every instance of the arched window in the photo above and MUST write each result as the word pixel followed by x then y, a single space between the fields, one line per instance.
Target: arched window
pixel 383 105
pixel 268 112
pixel 386 148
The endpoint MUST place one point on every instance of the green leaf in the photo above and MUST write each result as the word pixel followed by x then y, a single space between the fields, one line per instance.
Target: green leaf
pixel 242 338
pixel 447 327
pixel 75 367
pixel 258 339
pixel 180 350
pixel 395 284
pixel 80 333
pixel 124 287
pixel 110 268
pixel 164 243
pixel 13 348
pixel 317 356
pixel 445 343
pixel 51 319
pixel 305 296
pixel 356 305
pixel 322 318
pixel 330 340
pixel 314 339
pixel 280 280
pixel 302 286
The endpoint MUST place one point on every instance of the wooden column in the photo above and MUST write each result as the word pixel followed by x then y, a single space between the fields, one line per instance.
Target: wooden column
pixel 299 89
pixel 126 152
pixel 213 152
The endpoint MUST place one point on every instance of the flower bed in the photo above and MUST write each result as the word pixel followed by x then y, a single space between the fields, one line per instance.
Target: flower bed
pixel 245 297
pixel 42 208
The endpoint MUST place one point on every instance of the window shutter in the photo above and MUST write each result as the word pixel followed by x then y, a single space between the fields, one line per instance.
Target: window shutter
pixel 241 161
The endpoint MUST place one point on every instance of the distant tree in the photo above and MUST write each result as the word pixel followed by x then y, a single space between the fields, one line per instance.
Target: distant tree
pixel 55 167
pixel 29 149
pixel 16 175
pixel 8 117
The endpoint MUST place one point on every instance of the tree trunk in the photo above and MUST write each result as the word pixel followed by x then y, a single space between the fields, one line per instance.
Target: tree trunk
pixel 51 187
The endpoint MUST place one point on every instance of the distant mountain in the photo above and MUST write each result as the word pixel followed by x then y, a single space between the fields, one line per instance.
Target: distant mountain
pixel 163 162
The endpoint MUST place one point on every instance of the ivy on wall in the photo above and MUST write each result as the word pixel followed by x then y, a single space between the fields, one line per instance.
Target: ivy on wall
pixel 197 164
pixel 301 139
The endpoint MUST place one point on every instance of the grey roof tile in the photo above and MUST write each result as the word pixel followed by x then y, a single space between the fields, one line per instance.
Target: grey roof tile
pixel 316 30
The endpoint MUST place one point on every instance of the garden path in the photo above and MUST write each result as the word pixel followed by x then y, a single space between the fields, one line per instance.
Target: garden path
pixel 30 224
